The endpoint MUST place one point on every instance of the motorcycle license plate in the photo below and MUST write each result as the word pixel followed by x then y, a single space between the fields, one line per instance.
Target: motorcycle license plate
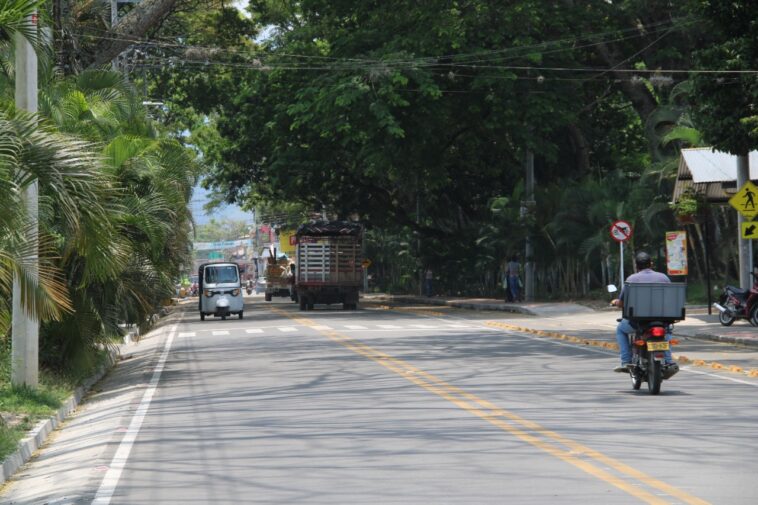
pixel 657 346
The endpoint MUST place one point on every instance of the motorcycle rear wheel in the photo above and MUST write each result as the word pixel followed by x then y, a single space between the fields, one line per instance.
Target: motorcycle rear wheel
pixel 754 316
pixel 654 375
pixel 726 319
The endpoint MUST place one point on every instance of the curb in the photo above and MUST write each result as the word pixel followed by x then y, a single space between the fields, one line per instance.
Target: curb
pixel 37 436
pixel 724 339
pixel 502 307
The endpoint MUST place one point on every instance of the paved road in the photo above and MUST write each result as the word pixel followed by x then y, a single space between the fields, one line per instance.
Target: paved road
pixel 382 406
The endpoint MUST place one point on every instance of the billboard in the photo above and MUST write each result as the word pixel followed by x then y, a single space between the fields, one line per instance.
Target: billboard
pixel 287 242
pixel 676 252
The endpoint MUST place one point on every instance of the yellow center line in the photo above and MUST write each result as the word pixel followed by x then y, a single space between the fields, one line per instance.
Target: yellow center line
pixel 538 436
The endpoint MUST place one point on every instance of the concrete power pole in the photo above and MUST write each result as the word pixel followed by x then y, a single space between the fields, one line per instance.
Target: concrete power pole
pixel 743 175
pixel 529 204
pixel 25 330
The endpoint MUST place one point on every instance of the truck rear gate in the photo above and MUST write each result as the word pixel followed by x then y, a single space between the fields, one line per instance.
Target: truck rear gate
pixel 329 264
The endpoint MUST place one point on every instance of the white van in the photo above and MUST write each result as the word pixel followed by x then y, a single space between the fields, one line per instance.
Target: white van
pixel 220 289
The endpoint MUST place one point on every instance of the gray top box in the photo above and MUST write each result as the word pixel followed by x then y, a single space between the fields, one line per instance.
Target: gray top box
pixel 654 301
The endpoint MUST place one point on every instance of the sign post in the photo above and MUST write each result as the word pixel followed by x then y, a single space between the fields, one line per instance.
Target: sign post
pixel 744 201
pixel 621 231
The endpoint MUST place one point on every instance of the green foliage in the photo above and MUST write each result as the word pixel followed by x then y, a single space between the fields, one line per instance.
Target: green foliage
pixel 725 105
pixel 688 204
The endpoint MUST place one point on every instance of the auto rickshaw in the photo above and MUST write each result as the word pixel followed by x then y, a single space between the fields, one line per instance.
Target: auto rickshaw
pixel 220 290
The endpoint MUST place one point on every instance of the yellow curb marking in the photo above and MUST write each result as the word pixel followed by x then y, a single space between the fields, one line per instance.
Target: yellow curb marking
pixel 613 346
pixel 423 312
pixel 526 430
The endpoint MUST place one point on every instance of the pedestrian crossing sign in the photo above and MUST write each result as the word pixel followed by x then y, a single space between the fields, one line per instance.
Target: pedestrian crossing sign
pixel 746 200
pixel 750 230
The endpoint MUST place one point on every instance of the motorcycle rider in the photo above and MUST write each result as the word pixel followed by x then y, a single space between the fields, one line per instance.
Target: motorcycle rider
pixel 645 273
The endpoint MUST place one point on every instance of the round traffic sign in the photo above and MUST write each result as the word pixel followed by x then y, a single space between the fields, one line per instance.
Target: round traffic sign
pixel 621 231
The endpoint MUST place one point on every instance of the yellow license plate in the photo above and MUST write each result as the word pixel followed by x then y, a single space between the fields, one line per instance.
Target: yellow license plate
pixel 657 346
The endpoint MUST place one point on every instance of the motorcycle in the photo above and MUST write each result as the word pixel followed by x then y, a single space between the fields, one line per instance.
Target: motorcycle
pixel 249 287
pixel 648 344
pixel 736 303
pixel 651 308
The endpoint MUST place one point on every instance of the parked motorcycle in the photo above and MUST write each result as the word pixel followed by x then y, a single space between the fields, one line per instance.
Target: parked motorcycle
pixel 249 287
pixel 736 303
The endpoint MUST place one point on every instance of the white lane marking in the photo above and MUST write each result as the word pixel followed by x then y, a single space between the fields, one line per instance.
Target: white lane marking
pixel 457 326
pixel 187 334
pixel 254 330
pixel 747 383
pixel 388 326
pixel 218 333
pixel 613 353
pixel 287 329
pixel 321 327
pixel 421 326
pixel 355 327
pixel 112 476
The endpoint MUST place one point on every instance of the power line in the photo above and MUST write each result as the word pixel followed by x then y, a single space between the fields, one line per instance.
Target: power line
pixel 420 61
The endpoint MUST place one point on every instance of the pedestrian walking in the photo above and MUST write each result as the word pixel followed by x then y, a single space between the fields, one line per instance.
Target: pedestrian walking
pixel 513 271
pixel 504 281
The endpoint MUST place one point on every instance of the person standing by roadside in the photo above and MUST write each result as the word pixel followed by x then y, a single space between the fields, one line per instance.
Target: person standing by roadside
pixel 428 276
pixel 512 270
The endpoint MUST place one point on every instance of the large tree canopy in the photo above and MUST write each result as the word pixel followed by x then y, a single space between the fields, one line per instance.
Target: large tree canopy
pixel 416 118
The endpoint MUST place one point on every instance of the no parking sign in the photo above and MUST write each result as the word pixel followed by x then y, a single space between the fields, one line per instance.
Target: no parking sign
pixel 621 231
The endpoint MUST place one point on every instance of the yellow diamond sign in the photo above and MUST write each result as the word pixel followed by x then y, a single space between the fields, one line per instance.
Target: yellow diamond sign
pixel 750 230
pixel 746 200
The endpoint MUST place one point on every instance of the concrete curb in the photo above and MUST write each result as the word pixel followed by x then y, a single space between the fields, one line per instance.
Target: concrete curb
pixel 724 339
pixel 37 436
pixel 505 307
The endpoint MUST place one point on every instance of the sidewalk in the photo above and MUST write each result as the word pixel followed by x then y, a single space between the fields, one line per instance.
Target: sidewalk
pixel 703 340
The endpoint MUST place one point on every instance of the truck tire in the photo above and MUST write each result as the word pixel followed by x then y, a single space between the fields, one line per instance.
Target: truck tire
pixel 267 297
pixel 303 306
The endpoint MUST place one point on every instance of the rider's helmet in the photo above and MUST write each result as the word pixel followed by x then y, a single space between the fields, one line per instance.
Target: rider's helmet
pixel 642 260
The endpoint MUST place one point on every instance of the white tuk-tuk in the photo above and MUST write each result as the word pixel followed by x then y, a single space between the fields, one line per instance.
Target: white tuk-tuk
pixel 220 290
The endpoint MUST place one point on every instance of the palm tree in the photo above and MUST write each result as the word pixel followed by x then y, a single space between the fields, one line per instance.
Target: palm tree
pixel 146 232
pixel 66 171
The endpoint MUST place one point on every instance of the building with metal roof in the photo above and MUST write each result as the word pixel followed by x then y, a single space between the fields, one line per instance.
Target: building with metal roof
pixel 710 173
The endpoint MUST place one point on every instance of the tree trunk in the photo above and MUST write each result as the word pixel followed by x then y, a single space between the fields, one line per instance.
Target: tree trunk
pixel 637 92
pixel 145 16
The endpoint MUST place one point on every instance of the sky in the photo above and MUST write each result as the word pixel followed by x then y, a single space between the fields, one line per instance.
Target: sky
pixel 229 212
pixel 200 195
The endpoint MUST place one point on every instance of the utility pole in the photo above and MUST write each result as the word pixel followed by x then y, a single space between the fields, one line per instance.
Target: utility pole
pixel 745 259
pixel 25 329
pixel 526 214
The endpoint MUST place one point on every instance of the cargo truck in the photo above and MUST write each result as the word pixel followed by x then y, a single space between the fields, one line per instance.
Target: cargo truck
pixel 328 258
pixel 278 277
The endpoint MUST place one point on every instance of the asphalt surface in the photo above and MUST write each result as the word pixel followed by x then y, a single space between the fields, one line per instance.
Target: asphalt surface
pixel 400 405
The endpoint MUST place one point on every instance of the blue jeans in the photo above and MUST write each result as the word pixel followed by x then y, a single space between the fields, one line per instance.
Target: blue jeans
pixel 513 287
pixel 624 329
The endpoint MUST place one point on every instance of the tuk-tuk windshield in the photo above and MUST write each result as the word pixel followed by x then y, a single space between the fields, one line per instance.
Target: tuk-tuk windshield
pixel 226 274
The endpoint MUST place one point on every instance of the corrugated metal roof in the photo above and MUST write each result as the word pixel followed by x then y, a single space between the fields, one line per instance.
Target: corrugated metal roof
pixel 707 165
pixel 712 174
